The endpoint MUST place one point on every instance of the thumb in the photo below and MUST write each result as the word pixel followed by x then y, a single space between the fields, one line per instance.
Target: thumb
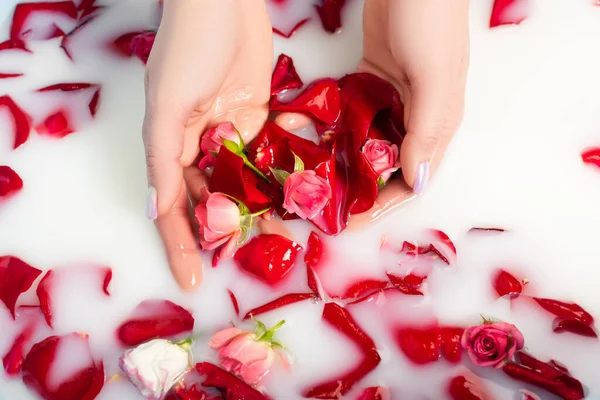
pixel 432 118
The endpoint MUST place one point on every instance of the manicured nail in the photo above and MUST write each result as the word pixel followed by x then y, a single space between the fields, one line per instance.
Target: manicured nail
pixel 152 203
pixel 421 178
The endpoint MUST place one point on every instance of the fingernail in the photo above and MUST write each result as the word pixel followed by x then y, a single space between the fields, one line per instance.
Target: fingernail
pixel 152 203
pixel 421 178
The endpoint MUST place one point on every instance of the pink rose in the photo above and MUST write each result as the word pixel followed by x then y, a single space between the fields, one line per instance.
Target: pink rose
pixel 212 140
pixel 219 220
pixel 242 354
pixel 383 157
pixel 305 194
pixel 492 344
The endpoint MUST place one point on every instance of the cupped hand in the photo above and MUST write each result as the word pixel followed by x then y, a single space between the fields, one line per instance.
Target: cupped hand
pixel 422 48
pixel 211 62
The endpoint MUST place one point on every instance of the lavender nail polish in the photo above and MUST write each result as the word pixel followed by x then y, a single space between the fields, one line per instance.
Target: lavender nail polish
pixel 152 203
pixel 421 178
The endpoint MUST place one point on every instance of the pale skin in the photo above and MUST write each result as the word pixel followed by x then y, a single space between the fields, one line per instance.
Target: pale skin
pixel 212 61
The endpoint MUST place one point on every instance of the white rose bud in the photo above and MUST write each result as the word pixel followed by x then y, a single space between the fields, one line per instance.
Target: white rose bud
pixel 155 366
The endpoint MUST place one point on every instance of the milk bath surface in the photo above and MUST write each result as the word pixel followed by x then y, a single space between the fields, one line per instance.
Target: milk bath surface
pixel 531 108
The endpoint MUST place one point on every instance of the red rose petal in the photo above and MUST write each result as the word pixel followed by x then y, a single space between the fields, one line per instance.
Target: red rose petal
pixel 460 388
pixel 343 322
pixel 545 376
pixel 14 44
pixel 107 279
pixel 285 76
pixel 154 319
pixel 122 44
pixel 443 246
pixel 289 34
pixel 234 302
pixel 363 287
pixel 141 45
pixel 508 12
pixel 10 181
pixel 479 229
pixel 21 121
pixel 76 87
pixel 591 156
pixel 66 40
pixel 574 326
pixel 232 178
pixel 93 106
pixel 420 345
pixel 373 393
pixel 231 386
pixel 16 277
pixel 314 250
pixel 9 75
pixel 451 348
pixel 56 125
pixel 527 395
pixel 24 10
pixel 568 311
pixel 330 12
pixel 85 384
pixel 13 360
pixel 506 284
pixel 320 99
pixel 280 302
pixel 180 392
pixel 43 294
pixel 403 286
pixel 268 257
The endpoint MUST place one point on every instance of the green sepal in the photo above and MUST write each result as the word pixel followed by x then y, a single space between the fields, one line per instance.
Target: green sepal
pixel 280 175
pixel 298 163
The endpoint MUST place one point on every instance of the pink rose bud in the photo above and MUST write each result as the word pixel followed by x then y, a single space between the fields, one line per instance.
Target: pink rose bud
pixel 305 194
pixel 219 219
pixel 212 140
pixel 383 157
pixel 243 354
pixel 492 344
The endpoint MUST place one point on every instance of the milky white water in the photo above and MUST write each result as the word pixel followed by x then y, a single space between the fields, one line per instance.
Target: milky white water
pixel 533 102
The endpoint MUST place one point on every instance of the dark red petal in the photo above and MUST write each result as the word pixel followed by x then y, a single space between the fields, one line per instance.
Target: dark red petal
pixel 574 326
pixel 280 302
pixel 234 302
pixel 24 10
pixel 330 12
pixel 21 121
pixel 506 284
pixel 314 250
pixel 508 12
pixel 9 75
pixel 141 45
pixel 563 385
pixel 371 296
pixel 232 387
pixel 43 294
pixel 478 229
pixel 85 384
pixel 66 87
pixel 85 4
pixel 14 44
pixel 192 392
pixel 362 288
pixel 343 322
pixel 16 277
pixel 460 388
pixel 268 257
pixel 320 99
pixel 106 281
pixel 420 345
pixel 565 310
pixel 232 178
pixel 56 125
pixel 122 44
pixel 451 348
pixel 289 34
pixel 153 319
pixel 527 395
pixel 403 286
pixel 10 181
pixel 591 156
pixel 13 360
pixel 373 393
pixel 443 246
pixel 285 76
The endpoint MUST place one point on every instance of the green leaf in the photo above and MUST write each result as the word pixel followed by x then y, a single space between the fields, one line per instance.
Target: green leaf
pixel 280 175
pixel 298 163
pixel 260 330
pixel 380 181
pixel 232 146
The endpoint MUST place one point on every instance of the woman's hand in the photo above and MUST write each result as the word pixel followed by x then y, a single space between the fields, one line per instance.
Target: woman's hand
pixel 211 62
pixel 422 48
